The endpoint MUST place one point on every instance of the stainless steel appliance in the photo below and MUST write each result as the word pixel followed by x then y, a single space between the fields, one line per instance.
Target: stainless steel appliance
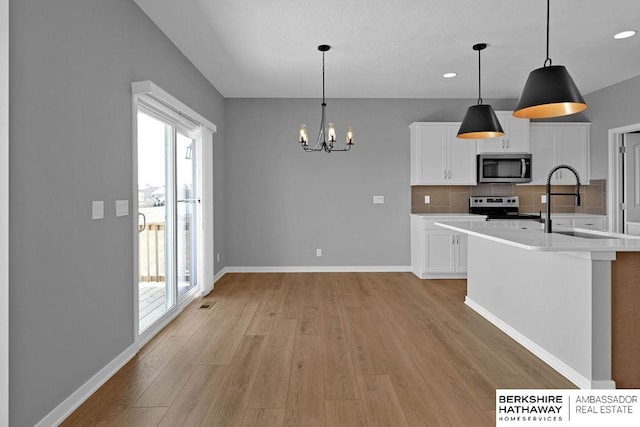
pixel 498 207
pixel 504 167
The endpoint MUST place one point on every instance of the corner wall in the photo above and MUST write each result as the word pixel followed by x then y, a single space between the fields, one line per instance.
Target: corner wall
pixel 71 279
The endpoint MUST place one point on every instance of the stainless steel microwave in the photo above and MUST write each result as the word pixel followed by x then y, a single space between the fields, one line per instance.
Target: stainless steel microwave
pixel 504 167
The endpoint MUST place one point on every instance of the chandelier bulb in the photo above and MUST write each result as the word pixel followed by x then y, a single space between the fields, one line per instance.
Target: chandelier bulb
pixel 304 135
pixel 349 135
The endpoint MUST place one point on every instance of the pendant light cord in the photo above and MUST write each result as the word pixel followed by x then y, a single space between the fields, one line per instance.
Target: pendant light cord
pixel 548 59
pixel 323 103
pixel 479 79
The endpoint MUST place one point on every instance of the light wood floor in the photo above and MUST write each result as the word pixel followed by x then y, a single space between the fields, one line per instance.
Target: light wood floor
pixel 320 349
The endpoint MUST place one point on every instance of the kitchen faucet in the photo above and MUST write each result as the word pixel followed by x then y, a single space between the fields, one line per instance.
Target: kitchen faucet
pixel 547 220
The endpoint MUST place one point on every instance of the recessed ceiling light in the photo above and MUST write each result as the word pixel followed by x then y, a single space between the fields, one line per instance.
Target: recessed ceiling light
pixel 624 35
pixel 449 75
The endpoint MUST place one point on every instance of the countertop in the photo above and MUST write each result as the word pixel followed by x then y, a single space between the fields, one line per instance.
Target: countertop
pixel 512 233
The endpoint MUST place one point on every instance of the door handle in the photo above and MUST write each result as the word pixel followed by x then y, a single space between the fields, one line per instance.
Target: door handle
pixel 144 222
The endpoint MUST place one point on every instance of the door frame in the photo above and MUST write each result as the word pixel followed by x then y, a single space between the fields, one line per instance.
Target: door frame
pixel 204 167
pixel 615 178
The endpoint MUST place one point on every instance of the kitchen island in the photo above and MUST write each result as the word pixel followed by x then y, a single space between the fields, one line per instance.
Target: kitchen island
pixel 570 300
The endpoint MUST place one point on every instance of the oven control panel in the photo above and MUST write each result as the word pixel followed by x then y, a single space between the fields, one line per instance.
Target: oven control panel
pixel 494 202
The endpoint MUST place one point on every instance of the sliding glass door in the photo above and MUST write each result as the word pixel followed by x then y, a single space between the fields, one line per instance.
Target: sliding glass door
pixel 167 212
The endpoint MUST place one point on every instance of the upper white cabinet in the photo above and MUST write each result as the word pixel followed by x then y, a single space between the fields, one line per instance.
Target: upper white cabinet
pixel 515 138
pixel 555 144
pixel 438 157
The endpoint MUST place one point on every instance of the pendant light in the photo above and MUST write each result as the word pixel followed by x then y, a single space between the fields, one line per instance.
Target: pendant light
pixel 325 131
pixel 481 121
pixel 549 91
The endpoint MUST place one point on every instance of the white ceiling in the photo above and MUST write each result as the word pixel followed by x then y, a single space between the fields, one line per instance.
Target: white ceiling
pixel 397 48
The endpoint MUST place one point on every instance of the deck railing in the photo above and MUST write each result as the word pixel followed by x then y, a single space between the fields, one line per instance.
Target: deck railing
pixel 151 264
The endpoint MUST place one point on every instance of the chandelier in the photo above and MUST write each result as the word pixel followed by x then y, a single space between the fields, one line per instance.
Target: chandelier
pixel 327 134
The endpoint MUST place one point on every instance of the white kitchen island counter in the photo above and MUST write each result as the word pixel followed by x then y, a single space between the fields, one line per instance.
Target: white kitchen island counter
pixel 571 301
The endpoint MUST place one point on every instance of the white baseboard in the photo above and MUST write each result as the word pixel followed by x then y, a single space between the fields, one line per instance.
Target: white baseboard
pixel 557 364
pixel 71 403
pixel 319 269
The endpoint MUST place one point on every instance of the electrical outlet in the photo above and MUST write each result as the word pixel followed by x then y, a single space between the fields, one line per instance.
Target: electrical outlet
pixel 218 257
pixel 543 198
pixel 427 200
pixel 378 200
pixel 318 252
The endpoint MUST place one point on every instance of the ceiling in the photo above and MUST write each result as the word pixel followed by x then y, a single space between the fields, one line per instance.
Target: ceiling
pixel 397 48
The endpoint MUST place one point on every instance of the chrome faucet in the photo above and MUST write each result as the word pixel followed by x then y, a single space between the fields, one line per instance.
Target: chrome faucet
pixel 547 220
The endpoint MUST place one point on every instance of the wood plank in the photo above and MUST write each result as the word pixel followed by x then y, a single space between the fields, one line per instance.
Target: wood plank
pixel 305 398
pixel 271 384
pixel 116 396
pixel 341 413
pixel 264 417
pixel 224 345
pixel 382 407
pixel 339 376
pixel 169 382
pixel 142 417
pixel 230 400
pixel 267 311
pixel 192 402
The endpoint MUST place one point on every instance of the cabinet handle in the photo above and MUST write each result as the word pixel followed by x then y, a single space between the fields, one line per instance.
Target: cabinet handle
pixel 445 174
pixel 449 174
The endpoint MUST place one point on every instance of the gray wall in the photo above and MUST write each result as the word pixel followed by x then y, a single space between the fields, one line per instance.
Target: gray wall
pixel 611 107
pixel 71 66
pixel 284 203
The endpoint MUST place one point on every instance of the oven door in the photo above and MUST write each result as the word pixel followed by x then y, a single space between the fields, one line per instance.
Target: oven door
pixel 504 167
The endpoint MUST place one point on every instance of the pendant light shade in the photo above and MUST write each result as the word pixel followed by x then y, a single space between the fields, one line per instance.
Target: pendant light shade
pixel 549 92
pixel 480 121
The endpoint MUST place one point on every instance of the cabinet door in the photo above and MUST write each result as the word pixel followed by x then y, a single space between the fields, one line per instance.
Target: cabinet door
pixel 439 251
pixel 429 153
pixel 462 160
pixel 542 152
pixel 492 145
pixel 516 132
pixel 515 138
pixel 572 148
pixel 590 223
pixel 461 253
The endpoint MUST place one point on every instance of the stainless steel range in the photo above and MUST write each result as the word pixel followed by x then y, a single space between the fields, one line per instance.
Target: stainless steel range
pixel 498 207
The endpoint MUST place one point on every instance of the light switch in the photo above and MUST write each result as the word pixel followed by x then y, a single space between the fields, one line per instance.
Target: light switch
pixel 122 207
pixel 378 200
pixel 97 209
pixel 543 198
pixel 427 200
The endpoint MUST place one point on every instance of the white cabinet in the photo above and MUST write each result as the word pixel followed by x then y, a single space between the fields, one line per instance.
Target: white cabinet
pixel 554 144
pixel 595 222
pixel 515 138
pixel 437 252
pixel 439 158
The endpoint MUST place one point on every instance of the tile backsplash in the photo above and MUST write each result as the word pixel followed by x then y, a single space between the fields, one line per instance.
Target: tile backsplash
pixel 455 199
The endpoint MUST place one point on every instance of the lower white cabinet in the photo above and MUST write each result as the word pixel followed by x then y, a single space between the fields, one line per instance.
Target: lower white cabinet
pixel 596 222
pixel 436 252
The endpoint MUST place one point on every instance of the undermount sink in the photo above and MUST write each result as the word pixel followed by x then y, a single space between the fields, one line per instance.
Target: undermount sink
pixel 583 235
